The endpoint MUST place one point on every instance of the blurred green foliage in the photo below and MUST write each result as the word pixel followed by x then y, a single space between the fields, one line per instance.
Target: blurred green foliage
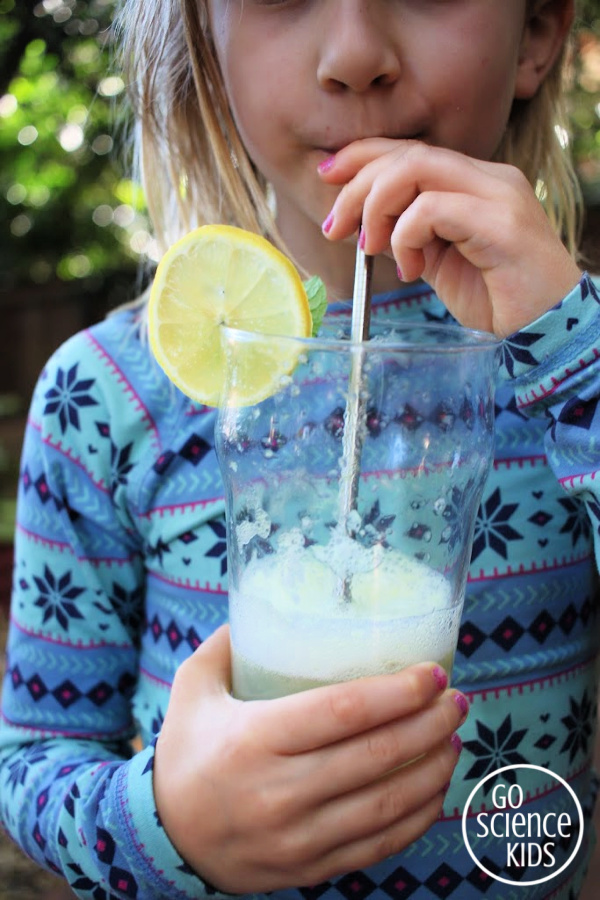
pixel 585 100
pixel 66 204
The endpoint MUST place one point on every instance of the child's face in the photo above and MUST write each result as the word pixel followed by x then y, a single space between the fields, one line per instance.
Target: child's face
pixel 306 77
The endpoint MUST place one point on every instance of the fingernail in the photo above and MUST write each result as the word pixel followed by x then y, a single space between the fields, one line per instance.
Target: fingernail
pixel 399 271
pixel 456 743
pixel 362 238
pixel 440 677
pixel 462 703
pixel 327 164
pixel 326 226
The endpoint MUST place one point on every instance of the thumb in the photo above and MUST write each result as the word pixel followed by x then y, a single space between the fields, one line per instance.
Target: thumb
pixel 209 667
pixel 200 684
pixel 214 657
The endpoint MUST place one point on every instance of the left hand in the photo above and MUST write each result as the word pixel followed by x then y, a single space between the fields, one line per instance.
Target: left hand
pixel 473 230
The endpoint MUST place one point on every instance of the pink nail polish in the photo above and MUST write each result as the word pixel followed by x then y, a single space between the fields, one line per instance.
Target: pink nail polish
pixel 456 743
pixel 327 164
pixel 362 239
pixel 440 678
pixel 399 271
pixel 462 703
pixel 326 226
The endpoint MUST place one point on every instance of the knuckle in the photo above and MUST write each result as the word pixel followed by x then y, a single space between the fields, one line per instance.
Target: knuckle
pixel 323 871
pixel 516 194
pixel 391 803
pixel 346 199
pixel 346 705
pixel 435 808
pixel 292 850
pixel 516 177
pixel 415 687
pixel 266 805
pixel 427 204
pixel 445 763
pixel 515 221
pixel 183 672
pixel 383 747
pixel 415 150
pixel 448 715
pixel 386 844
pixel 435 813
pixel 184 683
pixel 378 192
pixel 442 710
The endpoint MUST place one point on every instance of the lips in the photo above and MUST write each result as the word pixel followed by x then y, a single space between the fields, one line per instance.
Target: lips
pixel 332 148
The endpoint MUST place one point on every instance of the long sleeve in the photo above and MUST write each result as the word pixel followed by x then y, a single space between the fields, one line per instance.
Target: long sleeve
pixel 555 363
pixel 72 792
pixel 121 573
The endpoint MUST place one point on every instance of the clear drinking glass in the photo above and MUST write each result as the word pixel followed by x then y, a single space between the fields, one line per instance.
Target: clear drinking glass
pixel 351 498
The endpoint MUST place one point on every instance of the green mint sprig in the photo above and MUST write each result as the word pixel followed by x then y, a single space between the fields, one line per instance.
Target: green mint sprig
pixel 317 301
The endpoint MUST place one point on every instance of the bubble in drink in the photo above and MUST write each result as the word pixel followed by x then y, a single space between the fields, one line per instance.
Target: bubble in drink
pixel 294 628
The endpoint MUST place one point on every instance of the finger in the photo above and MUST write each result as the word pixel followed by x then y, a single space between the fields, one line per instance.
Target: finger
pixel 373 809
pixel 473 225
pixel 359 761
pixel 366 852
pixel 433 206
pixel 324 715
pixel 438 232
pixel 359 818
pixel 347 162
pixel 382 190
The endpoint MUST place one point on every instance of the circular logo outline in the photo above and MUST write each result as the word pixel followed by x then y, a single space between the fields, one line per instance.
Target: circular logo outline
pixel 499 772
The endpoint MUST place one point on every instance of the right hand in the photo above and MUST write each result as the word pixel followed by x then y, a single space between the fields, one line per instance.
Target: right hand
pixel 282 793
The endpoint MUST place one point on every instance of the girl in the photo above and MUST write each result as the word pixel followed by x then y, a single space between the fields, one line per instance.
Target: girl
pixel 431 122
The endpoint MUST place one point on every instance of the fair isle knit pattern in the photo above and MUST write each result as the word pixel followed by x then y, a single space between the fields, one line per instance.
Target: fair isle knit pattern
pixel 121 573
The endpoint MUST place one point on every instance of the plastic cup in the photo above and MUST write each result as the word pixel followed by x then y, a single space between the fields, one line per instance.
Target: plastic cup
pixel 321 589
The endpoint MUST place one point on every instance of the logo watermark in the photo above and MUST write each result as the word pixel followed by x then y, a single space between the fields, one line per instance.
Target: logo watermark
pixel 526 839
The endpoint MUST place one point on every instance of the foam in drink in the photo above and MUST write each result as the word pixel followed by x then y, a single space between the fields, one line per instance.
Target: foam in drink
pixel 308 616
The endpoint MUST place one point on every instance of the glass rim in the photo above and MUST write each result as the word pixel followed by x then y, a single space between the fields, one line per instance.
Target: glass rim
pixel 457 338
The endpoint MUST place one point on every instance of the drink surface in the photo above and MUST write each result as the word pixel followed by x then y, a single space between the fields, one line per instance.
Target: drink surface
pixel 297 622
pixel 255 682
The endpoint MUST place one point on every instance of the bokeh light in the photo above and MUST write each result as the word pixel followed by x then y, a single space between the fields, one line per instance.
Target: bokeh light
pixel 71 209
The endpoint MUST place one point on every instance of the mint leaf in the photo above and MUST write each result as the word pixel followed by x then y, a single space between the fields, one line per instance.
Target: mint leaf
pixel 317 301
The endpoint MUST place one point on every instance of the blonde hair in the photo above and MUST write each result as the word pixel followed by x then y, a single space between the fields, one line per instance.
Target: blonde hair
pixel 195 169
pixel 536 142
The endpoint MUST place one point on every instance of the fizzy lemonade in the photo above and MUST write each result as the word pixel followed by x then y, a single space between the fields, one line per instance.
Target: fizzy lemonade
pixel 306 616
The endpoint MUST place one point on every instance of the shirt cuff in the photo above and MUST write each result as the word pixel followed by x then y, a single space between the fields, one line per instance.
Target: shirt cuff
pixel 148 847
pixel 559 345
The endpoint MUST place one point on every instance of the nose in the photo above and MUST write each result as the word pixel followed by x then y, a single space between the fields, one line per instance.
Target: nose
pixel 358 50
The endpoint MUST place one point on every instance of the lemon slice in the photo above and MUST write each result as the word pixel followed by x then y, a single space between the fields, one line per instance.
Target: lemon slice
pixel 220 275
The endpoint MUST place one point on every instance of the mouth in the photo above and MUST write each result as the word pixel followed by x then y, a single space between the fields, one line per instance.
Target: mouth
pixel 331 149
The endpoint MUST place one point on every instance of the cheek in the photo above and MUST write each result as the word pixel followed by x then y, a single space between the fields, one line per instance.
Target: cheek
pixel 474 113
pixel 264 104
pixel 470 82
pixel 257 122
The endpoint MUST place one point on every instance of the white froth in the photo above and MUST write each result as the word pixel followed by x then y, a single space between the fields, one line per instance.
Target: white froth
pixel 288 613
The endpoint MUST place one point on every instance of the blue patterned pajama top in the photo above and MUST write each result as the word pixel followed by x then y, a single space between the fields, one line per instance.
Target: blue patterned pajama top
pixel 121 573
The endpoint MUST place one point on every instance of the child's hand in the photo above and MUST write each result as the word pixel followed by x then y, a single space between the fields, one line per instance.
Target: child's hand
pixel 272 794
pixel 473 230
